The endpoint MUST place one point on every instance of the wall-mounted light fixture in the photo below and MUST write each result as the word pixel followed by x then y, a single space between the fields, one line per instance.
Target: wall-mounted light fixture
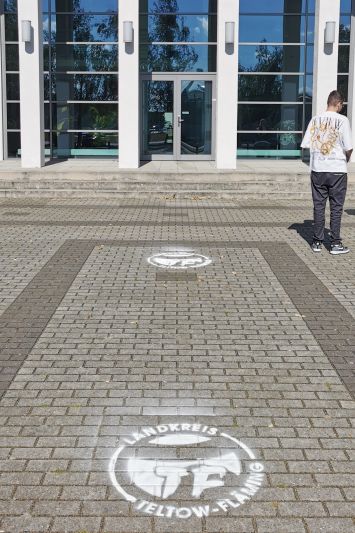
pixel 230 32
pixel 128 31
pixel 329 34
pixel 26 31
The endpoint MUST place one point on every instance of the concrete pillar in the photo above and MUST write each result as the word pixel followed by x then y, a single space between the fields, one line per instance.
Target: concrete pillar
pixel 227 87
pixel 325 70
pixel 2 82
pixel 351 98
pixel 129 108
pixel 31 85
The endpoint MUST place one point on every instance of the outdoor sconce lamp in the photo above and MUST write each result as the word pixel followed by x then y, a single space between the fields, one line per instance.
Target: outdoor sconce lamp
pixel 128 31
pixel 230 32
pixel 329 34
pixel 26 31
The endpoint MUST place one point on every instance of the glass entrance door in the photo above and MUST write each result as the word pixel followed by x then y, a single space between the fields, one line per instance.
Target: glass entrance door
pixel 178 117
pixel 158 119
pixel 196 118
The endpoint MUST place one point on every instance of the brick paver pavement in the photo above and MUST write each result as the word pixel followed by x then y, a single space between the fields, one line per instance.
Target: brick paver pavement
pixel 136 398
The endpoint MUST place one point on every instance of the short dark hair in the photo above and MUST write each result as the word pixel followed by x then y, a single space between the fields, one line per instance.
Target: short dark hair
pixel 335 98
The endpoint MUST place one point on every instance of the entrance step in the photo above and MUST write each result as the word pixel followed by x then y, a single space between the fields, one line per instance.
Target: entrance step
pixel 83 182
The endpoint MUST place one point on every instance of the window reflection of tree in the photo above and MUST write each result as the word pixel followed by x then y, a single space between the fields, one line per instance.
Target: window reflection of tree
pixel 167 26
pixel 159 102
pixel 261 88
pixel 82 27
pixel 343 61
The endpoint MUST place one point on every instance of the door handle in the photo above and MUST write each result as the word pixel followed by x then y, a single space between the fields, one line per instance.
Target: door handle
pixel 180 120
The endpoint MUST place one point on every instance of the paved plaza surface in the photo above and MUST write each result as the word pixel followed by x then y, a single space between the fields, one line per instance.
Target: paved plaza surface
pixel 174 365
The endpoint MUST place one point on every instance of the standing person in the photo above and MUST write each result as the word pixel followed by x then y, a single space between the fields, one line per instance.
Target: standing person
pixel 329 139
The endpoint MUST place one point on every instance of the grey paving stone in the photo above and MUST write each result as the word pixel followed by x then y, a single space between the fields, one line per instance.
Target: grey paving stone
pixel 248 345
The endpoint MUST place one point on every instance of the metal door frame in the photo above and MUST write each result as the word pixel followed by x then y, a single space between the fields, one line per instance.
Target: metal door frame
pixel 177 79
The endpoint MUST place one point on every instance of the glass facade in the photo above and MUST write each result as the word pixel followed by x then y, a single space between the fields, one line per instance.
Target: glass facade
pixel 276 46
pixel 178 35
pixel 81 77
pixel 344 49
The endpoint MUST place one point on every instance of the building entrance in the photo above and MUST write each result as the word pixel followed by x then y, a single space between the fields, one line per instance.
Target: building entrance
pixel 178 117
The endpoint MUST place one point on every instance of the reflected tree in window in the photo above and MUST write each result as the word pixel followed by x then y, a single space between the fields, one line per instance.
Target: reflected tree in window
pixel 169 27
pixel 344 33
pixel 263 88
pixel 77 28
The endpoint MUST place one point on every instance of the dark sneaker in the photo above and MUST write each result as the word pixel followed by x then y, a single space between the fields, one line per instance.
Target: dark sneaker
pixel 316 246
pixel 337 249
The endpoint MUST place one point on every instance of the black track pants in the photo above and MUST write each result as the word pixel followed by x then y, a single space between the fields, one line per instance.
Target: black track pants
pixel 333 186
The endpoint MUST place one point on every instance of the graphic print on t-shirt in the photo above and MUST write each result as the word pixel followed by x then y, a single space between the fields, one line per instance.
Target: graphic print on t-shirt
pixel 325 133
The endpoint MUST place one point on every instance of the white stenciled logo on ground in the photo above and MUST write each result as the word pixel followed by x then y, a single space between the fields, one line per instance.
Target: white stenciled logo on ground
pixel 159 466
pixel 179 259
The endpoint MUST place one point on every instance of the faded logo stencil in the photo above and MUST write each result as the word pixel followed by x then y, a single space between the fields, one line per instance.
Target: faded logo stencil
pixel 173 462
pixel 179 260
pixel 162 478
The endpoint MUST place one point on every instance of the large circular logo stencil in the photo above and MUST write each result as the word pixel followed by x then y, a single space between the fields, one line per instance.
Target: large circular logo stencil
pixel 184 471
pixel 179 260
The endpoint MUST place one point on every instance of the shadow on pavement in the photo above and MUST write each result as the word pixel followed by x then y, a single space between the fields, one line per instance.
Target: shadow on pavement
pixel 350 211
pixel 305 230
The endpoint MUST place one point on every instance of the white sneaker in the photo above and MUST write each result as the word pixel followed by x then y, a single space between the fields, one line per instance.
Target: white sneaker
pixel 337 249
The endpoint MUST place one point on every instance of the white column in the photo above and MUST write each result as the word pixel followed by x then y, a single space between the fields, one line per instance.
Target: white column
pixel 351 98
pixel 129 137
pixel 227 87
pixel 325 70
pixel 31 85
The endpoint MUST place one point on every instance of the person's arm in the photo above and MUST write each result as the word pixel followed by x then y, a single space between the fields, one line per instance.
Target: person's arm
pixel 306 142
pixel 347 140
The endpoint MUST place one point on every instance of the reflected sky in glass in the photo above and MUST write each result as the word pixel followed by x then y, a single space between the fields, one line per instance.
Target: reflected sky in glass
pixel 93 6
pixel 183 6
pixel 275 58
pixel 185 28
pixel 178 58
pixel 277 29
pixel 276 6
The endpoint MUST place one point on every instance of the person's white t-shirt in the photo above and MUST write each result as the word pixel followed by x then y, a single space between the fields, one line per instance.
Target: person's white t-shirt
pixel 328 137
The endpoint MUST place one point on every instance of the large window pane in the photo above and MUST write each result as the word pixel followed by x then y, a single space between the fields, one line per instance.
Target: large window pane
pixel 269 145
pixel 274 29
pixel 86 144
pixel 10 6
pixel 284 117
pixel 84 28
pixel 271 88
pixel 85 116
pixel 13 144
pixel 178 58
pixel 95 87
pixel 343 59
pixel 343 86
pixel 88 6
pixel 344 29
pixel 276 6
pixel 13 116
pixel 263 58
pixel 12 59
pixel 12 87
pixel 180 6
pixel 11 29
pixel 73 22
pixel 178 28
pixel 83 57
pixel 345 6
